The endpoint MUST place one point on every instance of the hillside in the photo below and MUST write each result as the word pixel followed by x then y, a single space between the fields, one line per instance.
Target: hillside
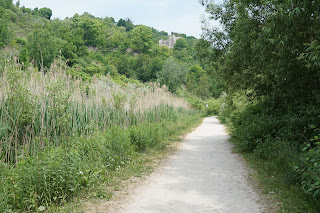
pixel 92 46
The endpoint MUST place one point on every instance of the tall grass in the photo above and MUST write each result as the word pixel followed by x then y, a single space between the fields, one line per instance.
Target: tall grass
pixel 59 134
pixel 43 109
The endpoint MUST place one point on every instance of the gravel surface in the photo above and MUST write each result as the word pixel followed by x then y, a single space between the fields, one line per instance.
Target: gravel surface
pixel 203 176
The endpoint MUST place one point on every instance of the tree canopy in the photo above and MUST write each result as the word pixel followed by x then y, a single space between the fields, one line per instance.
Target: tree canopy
pixel 141 38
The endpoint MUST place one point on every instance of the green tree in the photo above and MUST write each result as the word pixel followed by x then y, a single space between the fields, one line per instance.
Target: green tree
pixel 6 4
pixel 196 72
pixel 141 39
pixel 92 29
pixel 45 12
pixel 173 74
pixel 125 66
pixel 42 48
pixel 126 24
pixel 4 29
pixel 180 44
pixel 271 48
pixel 143 67
pixel 203 87
pixel 24 56
pixel 163 52
pixel 198 82
pixel 156 66
pixel 118 38
pixel 183 55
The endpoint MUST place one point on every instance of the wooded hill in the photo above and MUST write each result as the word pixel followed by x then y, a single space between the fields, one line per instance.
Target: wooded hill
pixel 100 46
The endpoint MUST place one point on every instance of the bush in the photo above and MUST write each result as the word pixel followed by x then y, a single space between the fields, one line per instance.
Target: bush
pixel 196 103
pixel 214 106
pixel 4 189
pixel 308 169
pixel 146 136
pixel 140 138
pixel 53 176
pixel 118 148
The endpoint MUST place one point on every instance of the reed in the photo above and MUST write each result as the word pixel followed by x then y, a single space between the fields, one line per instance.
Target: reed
pixel 38 109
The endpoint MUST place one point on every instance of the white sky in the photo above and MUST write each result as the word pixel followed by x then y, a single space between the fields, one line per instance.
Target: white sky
pixel 182 16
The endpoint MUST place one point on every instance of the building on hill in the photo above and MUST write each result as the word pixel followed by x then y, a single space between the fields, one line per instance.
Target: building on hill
pixel 171 41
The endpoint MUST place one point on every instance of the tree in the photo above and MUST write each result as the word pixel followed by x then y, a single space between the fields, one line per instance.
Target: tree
pixel 141 39
pixel 181 50
pixel 180 44
pixel 163 52
pixel 202 89
pixel 118 38
pixel 173 74
pixel 92 29
pixel 4 30
pixel 45 12
pixel 26 10
pixel 126 24
pixel 42 48
pixel 6 4
pixel 183 55
pixel 198 81
pixel 143 67
pixel 156 66
pixel 125 66
pixel 196 72
pixel 270 48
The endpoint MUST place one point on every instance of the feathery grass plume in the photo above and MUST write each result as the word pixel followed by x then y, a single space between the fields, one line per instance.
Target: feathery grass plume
pixel 39 109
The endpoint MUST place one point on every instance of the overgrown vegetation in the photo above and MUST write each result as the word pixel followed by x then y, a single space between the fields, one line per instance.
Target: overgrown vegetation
pixel 48 151
pixel 266 56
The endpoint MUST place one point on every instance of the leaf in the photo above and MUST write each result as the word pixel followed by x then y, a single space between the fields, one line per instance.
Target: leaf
pixel 312 126
pixel 41 208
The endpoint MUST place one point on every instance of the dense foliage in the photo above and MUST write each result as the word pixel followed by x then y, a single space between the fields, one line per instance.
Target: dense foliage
pixel 59 135
pixel 92 46
pixel 267 57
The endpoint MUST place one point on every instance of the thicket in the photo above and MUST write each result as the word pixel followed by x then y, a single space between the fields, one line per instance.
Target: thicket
pixel 58 133
pixel 267 57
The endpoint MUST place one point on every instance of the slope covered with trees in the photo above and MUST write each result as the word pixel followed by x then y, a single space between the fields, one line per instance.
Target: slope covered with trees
pixel 93 46
pixel 267 57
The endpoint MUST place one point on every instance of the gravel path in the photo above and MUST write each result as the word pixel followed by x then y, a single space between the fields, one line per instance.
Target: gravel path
pixel 203 176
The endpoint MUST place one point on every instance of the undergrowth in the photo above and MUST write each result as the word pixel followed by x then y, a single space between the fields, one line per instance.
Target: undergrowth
pixel 60 136
pixel 282 144
pixel 58 174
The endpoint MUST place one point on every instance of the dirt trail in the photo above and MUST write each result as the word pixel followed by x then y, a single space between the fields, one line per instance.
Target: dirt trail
pixel 203 176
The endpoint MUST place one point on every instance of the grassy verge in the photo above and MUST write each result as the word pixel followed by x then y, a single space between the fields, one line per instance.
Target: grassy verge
pixel 142 163
pixel 274 184
pixel 88 167
pixel 282 145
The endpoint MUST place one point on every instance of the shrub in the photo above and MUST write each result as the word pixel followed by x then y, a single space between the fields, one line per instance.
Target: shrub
pixel 53 176
pixel 196 103
pixel 146 136
pixel 214 106
pixel 308 169
pixel 4 189
pixel 118 148
pixel 140 138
